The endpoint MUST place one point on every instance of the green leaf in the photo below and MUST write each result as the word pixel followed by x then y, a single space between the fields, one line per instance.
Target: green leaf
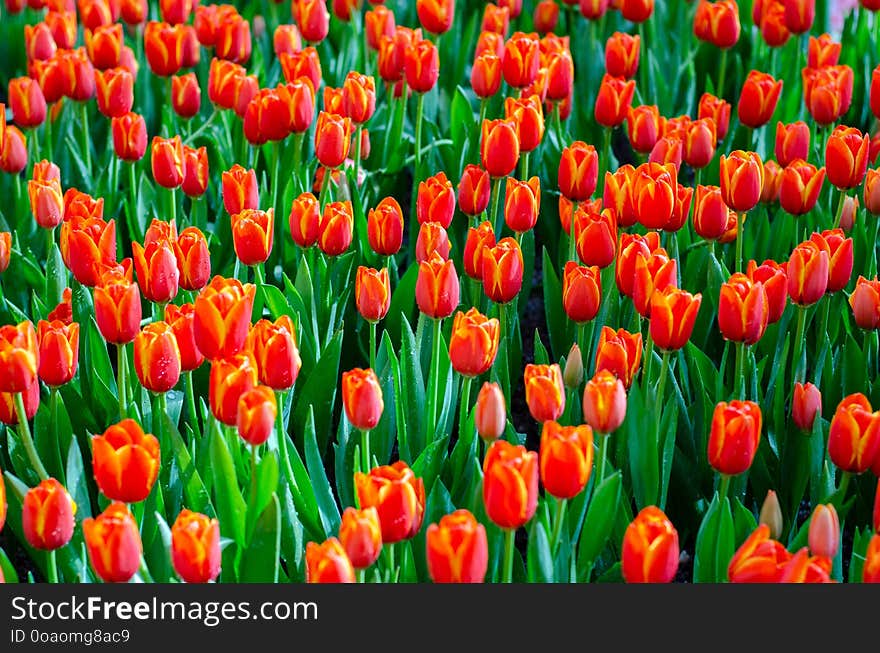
pixel 598 524
pixel 197 496
pixel 327 507
pixel 705 560
pixel 267 483
pixel 231 507
pixel 261 563
pixel 539 558
pixel 318 394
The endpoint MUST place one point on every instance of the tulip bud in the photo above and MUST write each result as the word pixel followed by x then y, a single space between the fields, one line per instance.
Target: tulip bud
pixel 499 147
pixel 510 484
pixel 490 412
pixel 650 549
pixel 502 270
pixel 734 438
pixel 398 497
pixel 573 372
pixel 361 536
pixel 807 273
pixel 113 543
pixel 336 228
pixel 521 60
pixel 313 19
pixel 457 549
pixel 824 533
pixel 806 404
pixel 854 437
pixel 47 203
pixel 865 303
pixel 771 514
pixel 362 398
pixel 255 417
pixel 604 402
pixel 125 461
pixel 473 344
pixel 328 562
pixel 195 547
pixel 545 391
pixel 47 516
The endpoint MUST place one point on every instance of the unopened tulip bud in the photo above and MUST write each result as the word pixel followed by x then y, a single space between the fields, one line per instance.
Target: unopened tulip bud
pixel 824 533
pixel 771 514
pixel 490 414
pixel 573 373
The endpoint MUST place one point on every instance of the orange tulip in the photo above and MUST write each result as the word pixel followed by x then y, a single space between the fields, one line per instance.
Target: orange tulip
pixel 47 516
pixel 436 200
pixel 19 356
pixel 437 287
pixel 164 47
pixel 806 403
pixel 2 504
pixel 865 303
pixel 181 319
pixel 89 245
pixel 157 359
pixel 27 102
pixel 125 462
pixel 313 19
pixel 457 549
pixel 758 99
pixel 827 92
pixel 824 531
pixel 742 180
pixel 361 536
pixel 129 136
pixel 195 179
pixel 581 292
pixel 273 346
pixel 305 220
pixel 230 378
pixel 499 147
pixel 614 100
pixel 604 401
pixel 421 66
pixel 718 110
pixel 871 568
pixel 527 114
pixel 510 484
pixel 167 161
pixel 157 270
pixel 39 44
pixel 473 344
pixel 653 273
pixel 240 191
pixel 522 204
pixel 252 235
pixel 595 236
pixel 5 250
pixel 800 187
pixel 846 157
pixel 840 257
pixel 195 547
pixel 734 437
pixel 792 142
pixel 362 398
pixel 328 562
pixel 578 171
pixel 486 75
pixel 193 259
pixel 717 23
pixel 359 97
pixel 490 412
pixel 622 55
pixel 186 95
pixel 496 19
pixel 566 459
pixel 619 352
pixel 118 305
pixel 650 548
pixel 710 213
pixel 699 142
pixel 545 391
pixel 854 437
pixel 871 194
pixel 654 189
pixel 673 314
pixel 807 273
pixel 617 195
pixel 743 309
pixel 644 127
pixel 114 543
pixel 632 248
pixel 336 228
pixel 256 413
pixel 385 227
pixel 372 293
pixel 58 351
pixel 397 495
pixel 13 155
pixel 47 202
pixel 378 21
pixel 760 559
pixel 521 59
pixel 474 190
pixel 222 315
pixel 502 267
pixel 332 139
pixel 822 51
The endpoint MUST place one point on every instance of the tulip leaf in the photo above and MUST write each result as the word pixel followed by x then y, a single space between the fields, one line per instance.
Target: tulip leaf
pixel 264 489
pixel 430 461
pixel 598 523
pixel 292 536
pixel 231 507
pixel 52 435
pixel 725 544
pixel 861 539
pixel 705 559
pixel 318 393
pixel 56 277
pixel 76 480
pixel 261 564
pixel 414 398
pixel 539 558
pixel 327 507
pixel 556 317
pixel 743 521
pixel 195 493
pixel 6 568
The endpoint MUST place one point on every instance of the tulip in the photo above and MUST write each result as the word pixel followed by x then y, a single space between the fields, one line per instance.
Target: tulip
pixel 164 47
pixel 362 398
pixel 799 16
pixel 743 309
pixel 499 147
pixel 229 86
pixel 806 404
pixel 27 102
pixel 760 559
pixel 560 75
pixel 378 21
pixel 125 462
pixel 113 543
pixel 437 287
pixel 118 305
pixel 273 346
pixel 808 273
pixel 2 504
pixel 502 267
pixel 422 66
pixel 699 143
pixel 496 19
pixel 619 352
pixel 195 180
pixel 256 413
pixel 336 228
pixel 287 39
pixel 854 437
pixel 39 44
pixel 181 319
pixel 167 161
pixel 5 250
pixel 230 378
pixel 604 402
pixel 614 100
pixel 578 171
pixel 717 23
pixel 252 235
pixel 473 344
pixel 527 114
pixel 234 40
pixel 522 204
pixel 361 536
pixel 846 157
pixel 616 194
pixel 644 126
pixel 372 293
pixel 31 399
pixel 871 568
pixel 129 136
pixel 718 110
pixel 800 186
pixel 653 192
pixel 457 549
pixel 566 459
pixel 47 516
pixel 865 303
pixel 328 562
pixel 510 484
pixel 774 30
pixel 653 273
pixel 734 437
pixel 58 351
pixel 385 227
pixel 824 531
pixel 222 315
pixel 758 99
pixel 193 258
pixel 581 292
pixel 827 92
pixel 840 257
pixel 871 193
pixel 13 155
pixel 47 202
pixel 19 356
pixel 436 200
pixel 490 412
pixel 775 281
pixel 772 182
pixel 269 115
pixel 595 236
pixel 622 55
pixel 305 220
pixel 240 190
pixel 632 247
pixel 474 190
pixel 332 139
pixel 673 314
pixel 157 358
pixel 186 96
pixel 545 391
pixel 398 497
pixel 710 213
pixel 742 179
pixel 157 270
pixel 521 60
pixel 792 142
pixel 650 548
pixel 195 547
pixel 305 63
pixel 822 51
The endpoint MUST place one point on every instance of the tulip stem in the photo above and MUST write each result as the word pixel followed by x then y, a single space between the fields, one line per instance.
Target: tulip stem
pixel 121 374
pixel 173 209
pixel 723 487
pixel 844 485
pixel 276 172
pixel 360 574
pixel 722 72
pixel 85 134
pixel 740 223
pixel 252 495
pixel 603 456
pixel 190 399
pixel 325 188
pixel 840 204
pixel 525 165
pixel 648 360
pixel 496 197
pixel 48 135
pixel 509 541
pixel 739 382
pixel 484 105
pixel 388 552
pixel 52 567
pixel 132 189
pixel 366 460
pixel 26 439
pixel 357 155
pixel 420 109
pixel 561 505
pixel 581 330
pixel 372 345
pixel 800 373
pixel 144 571
pixel 606 147
pixel 434 381
pixel 464 409
pixel 297 158
pixel 661 383
pixel 557 120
